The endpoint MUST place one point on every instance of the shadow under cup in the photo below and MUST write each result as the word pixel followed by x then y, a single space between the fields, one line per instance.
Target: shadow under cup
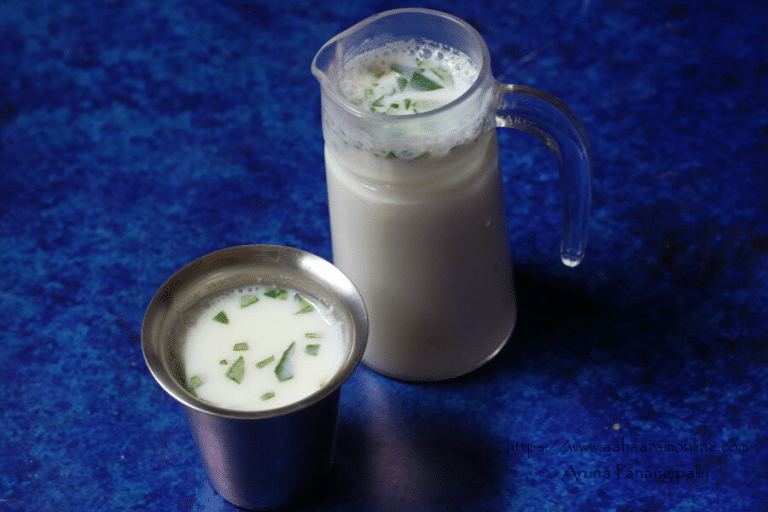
pixel 268 459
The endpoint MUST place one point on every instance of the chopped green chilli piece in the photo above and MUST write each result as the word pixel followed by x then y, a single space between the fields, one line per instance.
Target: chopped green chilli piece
pixel 422 83
pixel 312 335
pixel 312 349
pixel 277 293
pixel 285 368
pixel 240 347
pixel 423 105
pixel 236 372
pixel 221 317
pixel 265 362
pixel 223 362
pixel 306 306
pixel 196 381
pixel 444 75
pixel 247 300
pixel 267 396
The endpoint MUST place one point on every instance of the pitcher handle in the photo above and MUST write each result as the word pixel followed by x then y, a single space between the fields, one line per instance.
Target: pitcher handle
pixel 551 120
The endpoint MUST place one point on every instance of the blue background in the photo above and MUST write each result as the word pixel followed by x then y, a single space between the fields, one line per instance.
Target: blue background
pixel 138 136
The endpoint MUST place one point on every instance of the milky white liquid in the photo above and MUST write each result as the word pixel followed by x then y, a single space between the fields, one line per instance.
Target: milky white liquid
pixel 404 78
pixel 429 252
pixel 268 327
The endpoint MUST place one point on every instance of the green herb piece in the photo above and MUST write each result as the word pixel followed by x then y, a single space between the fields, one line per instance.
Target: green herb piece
pixel 402 82
pixel 323 383
pixel 420 63
pixel 368 93
pixel 196 381
pixel 240 347
pixel 221 317
pixel 407 103
pixel 444 75
pixel 391 155
pixel 223 362
pixel 312 349
pixel 277 293
pixel 424 105
pixel 267 396
pixel 265 362
pixel 422 83
pixel 285 368
pixel 312 335
pixel 247 300
pixel 306 306
pixel 236 372
pixel 378 103
pixel 397 68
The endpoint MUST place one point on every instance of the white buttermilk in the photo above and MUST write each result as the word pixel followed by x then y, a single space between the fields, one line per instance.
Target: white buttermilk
pixel 383 80
pixel 423 238
pixel 268 327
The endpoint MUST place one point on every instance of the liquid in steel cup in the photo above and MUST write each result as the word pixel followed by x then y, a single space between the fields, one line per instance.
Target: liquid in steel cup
pixel 268 459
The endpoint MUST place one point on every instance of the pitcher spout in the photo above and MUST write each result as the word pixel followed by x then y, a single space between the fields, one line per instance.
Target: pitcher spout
pixel 327 62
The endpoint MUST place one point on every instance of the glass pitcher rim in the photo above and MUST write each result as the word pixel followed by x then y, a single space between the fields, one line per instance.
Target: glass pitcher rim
pixel 484 70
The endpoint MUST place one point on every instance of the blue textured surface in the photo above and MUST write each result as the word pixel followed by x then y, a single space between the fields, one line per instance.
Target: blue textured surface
pixel 137 136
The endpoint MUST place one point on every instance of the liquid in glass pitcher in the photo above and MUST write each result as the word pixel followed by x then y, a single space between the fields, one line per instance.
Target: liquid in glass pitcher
pixel 409 111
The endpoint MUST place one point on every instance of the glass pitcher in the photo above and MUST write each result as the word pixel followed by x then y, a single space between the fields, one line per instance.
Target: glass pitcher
pixel 416 202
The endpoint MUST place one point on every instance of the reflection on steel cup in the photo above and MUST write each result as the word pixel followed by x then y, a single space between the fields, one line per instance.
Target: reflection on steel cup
pixel 415 191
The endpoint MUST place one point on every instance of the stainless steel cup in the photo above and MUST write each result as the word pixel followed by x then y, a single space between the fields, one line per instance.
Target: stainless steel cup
pixel 269 459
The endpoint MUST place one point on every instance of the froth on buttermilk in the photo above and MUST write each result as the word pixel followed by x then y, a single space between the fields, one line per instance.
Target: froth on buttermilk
pixel 406 77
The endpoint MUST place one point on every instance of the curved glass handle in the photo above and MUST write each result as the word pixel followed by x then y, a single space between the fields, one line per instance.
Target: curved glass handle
pixel 551 120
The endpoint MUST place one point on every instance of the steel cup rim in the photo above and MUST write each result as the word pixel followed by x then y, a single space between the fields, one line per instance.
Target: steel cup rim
pixel 303 267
